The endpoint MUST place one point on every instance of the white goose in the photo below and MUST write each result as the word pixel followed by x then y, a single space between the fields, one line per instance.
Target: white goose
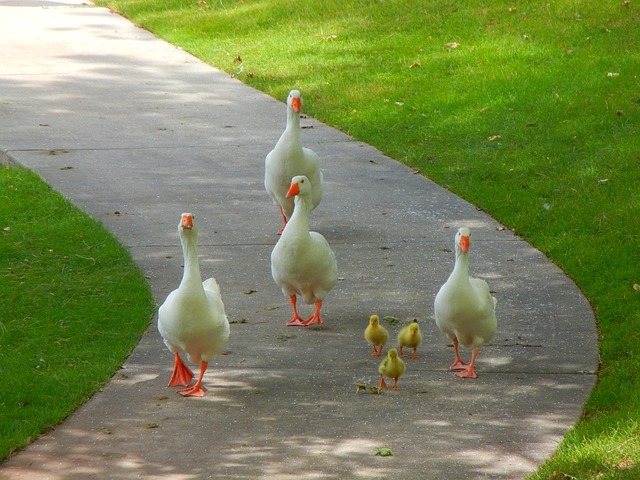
pixel 302 262
pixel 288 159
pixel 192 318
pixel 464 307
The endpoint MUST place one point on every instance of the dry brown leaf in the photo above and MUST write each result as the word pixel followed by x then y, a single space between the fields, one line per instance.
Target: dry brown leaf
pixel 452 45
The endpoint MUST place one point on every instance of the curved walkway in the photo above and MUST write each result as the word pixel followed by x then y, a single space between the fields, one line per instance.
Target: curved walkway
pixel 151 132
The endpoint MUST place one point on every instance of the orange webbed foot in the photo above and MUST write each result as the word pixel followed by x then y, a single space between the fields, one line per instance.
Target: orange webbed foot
pixel 468 373
pixel 182 375
pixel 313 319
pixel 296 321
pixel 195 391
pixel 459 365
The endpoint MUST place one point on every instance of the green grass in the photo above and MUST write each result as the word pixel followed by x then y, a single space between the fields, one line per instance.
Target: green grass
pixel 534 118
pixel 72 306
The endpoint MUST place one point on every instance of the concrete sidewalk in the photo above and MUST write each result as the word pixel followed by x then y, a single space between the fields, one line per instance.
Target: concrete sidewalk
pixel 150 132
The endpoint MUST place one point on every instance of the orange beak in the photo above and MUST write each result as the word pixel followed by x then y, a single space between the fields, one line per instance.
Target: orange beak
pixel 187 222
pixel 293 190
pixel 296 105
pixel 464 244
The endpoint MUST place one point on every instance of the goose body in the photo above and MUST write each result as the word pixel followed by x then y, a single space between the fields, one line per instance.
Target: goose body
pixel 376 335
pixel 302 262
pixel 410 337
pixel 192 318
pixel 464 307
pixel 289 159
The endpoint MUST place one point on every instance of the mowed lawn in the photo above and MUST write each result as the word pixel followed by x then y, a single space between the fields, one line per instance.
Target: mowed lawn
pixel 73 305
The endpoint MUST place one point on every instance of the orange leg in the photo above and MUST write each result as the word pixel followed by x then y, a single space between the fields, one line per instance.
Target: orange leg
pixel 458 364
pixel 315 318
pixel 383 384
pixel 415 353
pixel 284 221
pixel 375 352
pixel 182 374
pixel 470 371
pixel 196 390
pixel 296 320
pixel 395 384
pixel 402 354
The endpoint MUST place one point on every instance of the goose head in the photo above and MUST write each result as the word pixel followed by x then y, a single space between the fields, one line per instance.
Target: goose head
pixel 187 227
pixel 463 240
pixel 294 101
pixel 374 320
pixel 300 187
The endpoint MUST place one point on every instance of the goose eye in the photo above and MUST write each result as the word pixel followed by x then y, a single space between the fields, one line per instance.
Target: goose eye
pixel 301 181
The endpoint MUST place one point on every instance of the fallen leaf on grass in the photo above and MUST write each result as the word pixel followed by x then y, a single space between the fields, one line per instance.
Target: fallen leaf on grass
pixel 494 137
pixel 414 65
pixel 234 75
pixel 452 45
pixel 636 287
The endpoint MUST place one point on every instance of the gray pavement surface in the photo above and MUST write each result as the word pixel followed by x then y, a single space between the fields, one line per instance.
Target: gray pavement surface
pixel 150 132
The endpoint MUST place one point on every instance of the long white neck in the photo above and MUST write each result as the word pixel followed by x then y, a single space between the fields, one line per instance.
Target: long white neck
pixel 290 138
pixel 461 267
pixel 191 276
pixel 299 221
